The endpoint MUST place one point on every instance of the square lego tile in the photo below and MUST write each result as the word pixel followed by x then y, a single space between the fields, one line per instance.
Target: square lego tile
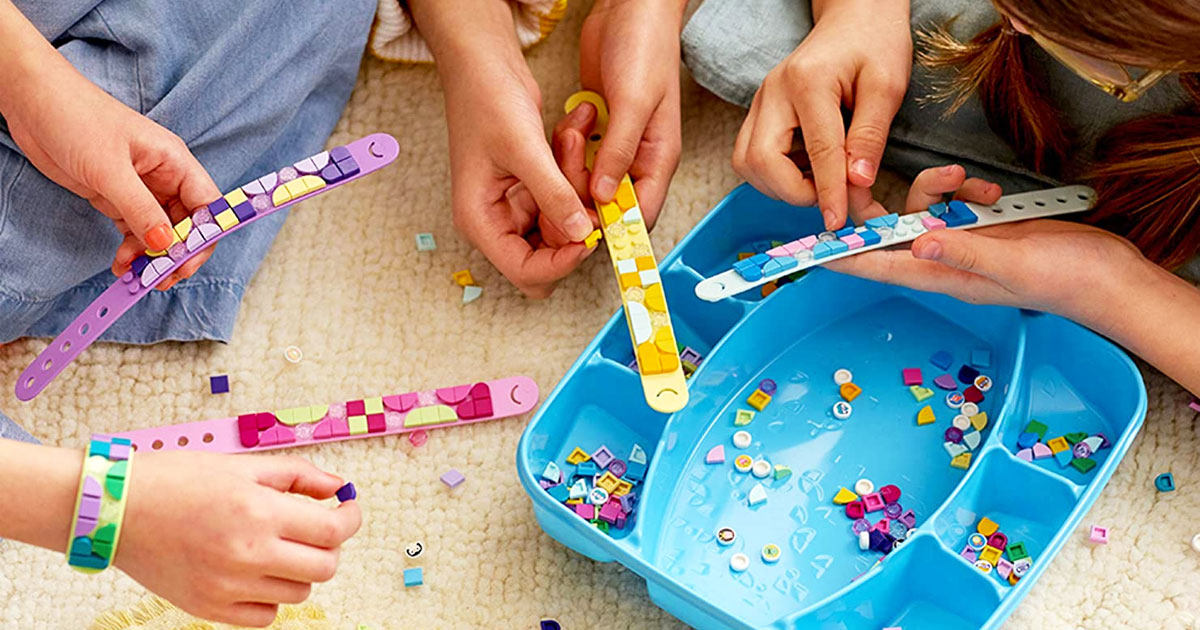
pixel 219 384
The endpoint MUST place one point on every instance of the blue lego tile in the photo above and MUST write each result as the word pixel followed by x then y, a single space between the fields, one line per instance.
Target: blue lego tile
pixel 938 209
pixel 887 220
pixel 846 231
pixel 870 237
pixel 759 259
pixel 413 577
pixel 244 211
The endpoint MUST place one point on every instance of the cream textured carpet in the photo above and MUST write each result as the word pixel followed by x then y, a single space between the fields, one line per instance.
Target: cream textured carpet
pixel 373 316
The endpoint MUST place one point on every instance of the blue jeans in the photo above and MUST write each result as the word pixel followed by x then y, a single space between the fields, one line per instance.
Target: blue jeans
pixel 249 86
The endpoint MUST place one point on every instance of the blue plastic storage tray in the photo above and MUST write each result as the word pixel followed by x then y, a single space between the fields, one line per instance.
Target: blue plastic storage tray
pixel 1044 367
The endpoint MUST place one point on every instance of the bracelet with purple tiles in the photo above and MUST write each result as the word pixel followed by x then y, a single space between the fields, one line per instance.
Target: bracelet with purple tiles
pixel 100 505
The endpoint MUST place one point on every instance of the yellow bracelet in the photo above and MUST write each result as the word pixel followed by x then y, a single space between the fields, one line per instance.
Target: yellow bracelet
pixel 100 505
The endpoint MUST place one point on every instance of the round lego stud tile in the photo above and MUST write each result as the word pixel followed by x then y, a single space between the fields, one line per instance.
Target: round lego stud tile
pixel 897 529
pixel 293 354
pixel 1081 451
pixel 414 550
pixel 726 536
pixel 896 543
pixel 961 422
pixel 983 565
pixel 761 469
pixel 742 439
pixel 955 400
pixel 976 541
pixel 860 525
pixel 598 496
pixel 892 510
pixel 768 386
pixel 825 237
pixel 842 410
pixel 969 409
pixel 739 562
pixel 743 463
pixel 864 540
pixel 771 553
pixel 1196 543
pixel 864 486
pixel 954 434
pixel 983 383
pixel 890 493
pixel 1022 566
pixel 618 467
pixel 842 376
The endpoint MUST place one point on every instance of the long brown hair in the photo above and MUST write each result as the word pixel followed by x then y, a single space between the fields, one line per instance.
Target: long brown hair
pixel 1146 171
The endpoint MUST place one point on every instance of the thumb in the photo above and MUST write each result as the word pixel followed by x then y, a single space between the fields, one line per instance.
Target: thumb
pixel 297 475
pixel 617 151
pixel 137 206
pixel 963 250
pixel 555 197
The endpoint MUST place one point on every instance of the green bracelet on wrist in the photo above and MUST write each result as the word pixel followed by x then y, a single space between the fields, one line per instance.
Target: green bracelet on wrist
pixel 100 505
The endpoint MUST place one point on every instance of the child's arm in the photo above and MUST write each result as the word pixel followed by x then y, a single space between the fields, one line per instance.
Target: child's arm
pixel 629 53
pixel 510 199
pixel 1080 272
pixel 216 535
pixel 86 141
pixel 858 55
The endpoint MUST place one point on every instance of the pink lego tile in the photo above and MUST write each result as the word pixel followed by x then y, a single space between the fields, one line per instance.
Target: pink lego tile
pixel 854 241
pixel 778 252
pixel 912 376
pixel 933 223
pixel 808 242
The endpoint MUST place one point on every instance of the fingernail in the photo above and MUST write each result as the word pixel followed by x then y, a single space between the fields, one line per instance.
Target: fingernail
pixel 949 168
pixel 159 237
pixel 606 188
pixel 568 142
pixel 830 220
pixel 577 226
pixel 932 251
pixel 864 168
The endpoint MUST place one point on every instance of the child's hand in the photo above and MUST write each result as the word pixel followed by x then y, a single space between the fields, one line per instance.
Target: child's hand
pixel 1046 265
pixel 126 165
pixel 220 537
pixel 510 198
pixel 858 55
pixel 629 53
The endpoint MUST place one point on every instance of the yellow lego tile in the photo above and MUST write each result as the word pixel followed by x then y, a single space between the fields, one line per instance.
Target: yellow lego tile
pixel 979 421
pixel 925 416
pixel 183 228
pixel 281 196
pixel 1058 445
pixel 668 361
pixel 624 487
pixel 644 262
pixel 629 280
pixel 768 288
pixel 626 197
pixel 227 220
pixel 435 414
pixel 316 412
pixel 987 527
pixel 358 425
pixel 236 197
pixel 844 496
pixel 578 456
pixel 311 183
pixel 373 405
pixel 991 554
pixel 592 239
pixel 665 340
pixel 608 481
pixel 647 356
pixel 759 399
pixel 609 213
pixel 1013 579
pixel 849 391
pixel 961 461
pixel 463 278
pixel 574 501
pixel 655 299
pixel 744 255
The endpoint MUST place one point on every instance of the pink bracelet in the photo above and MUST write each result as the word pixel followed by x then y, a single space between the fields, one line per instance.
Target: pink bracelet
pixel 314 424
